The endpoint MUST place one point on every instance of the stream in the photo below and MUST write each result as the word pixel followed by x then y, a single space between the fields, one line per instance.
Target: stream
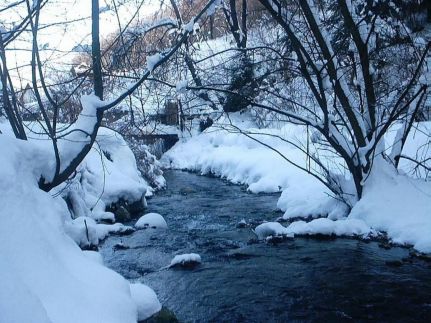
pixel 243 280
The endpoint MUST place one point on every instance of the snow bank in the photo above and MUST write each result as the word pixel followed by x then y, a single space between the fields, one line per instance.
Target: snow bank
pixel 241 160
pixel 417 146
pixel 271 229
pixel 94 256
pixel 107 174
pixel 146 301
pixel 344 227
pixel 394 203
pixel 122 178
pixel 86 232
pixel 398 205
pixel 151 220
pixel 324 226
pixel 44 275
pixel 184 259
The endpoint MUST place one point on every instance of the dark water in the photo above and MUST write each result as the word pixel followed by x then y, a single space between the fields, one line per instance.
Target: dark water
pixel 243 281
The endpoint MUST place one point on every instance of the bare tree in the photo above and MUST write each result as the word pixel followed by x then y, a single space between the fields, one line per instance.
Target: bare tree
pixel 337 79
pixel 352 118
pixel 72 145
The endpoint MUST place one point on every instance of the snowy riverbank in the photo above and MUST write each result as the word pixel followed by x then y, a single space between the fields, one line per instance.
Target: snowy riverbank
pixel 45 276
pixel 394 203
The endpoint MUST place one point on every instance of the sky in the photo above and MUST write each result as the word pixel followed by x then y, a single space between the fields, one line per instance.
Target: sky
pixel 64 25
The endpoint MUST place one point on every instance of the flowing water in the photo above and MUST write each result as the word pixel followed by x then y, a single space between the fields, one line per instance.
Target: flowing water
pixel 242 280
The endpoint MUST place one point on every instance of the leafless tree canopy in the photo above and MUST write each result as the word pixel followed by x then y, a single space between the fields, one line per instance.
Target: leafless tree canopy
pixel 328 65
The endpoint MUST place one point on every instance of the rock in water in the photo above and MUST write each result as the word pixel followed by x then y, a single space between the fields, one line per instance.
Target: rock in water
pixel 242 224
pixel 188 260
pixel 122 215
pixel 138 206
pixel 164 316
pixel 151 220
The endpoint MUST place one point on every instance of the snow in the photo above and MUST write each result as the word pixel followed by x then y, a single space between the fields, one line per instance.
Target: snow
pixel 303 200
pixel 94 256
pixel 151 220
pixel 191 26
pixel 146 300
pixel 213 7
pixel 86 232
pixel 271 229
pixel 13 295
pixel 325 226
pixel 76 136
pixel 45 277
pixel 181 86
pixel 398 205
pixel 153 60
pixel 242 160
pixel 108 173
pixel 185 259
pixel 417 147
pixel 392 202
pixel 41 264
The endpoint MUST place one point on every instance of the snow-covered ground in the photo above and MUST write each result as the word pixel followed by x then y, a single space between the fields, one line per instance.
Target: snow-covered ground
pixel 392 202
pixel 44 275
pixel 242 160
pixel 343 227
pixel 107 174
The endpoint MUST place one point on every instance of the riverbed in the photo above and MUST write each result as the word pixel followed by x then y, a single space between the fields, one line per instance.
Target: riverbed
pixel 245 280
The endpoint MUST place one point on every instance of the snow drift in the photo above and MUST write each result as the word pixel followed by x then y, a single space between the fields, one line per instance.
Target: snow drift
pixel 45 277
pixel 41 268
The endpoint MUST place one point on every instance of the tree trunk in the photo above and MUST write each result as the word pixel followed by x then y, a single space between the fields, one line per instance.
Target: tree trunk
pixel 95 50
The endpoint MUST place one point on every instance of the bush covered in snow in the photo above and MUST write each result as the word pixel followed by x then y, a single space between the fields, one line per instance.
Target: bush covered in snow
pixel 108 174
pixel 148 164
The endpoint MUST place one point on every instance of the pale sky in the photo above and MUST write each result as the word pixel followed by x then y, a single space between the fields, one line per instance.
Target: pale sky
pixel 60 39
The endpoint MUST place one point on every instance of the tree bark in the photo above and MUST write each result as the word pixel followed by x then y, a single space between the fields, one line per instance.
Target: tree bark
pixel 95 50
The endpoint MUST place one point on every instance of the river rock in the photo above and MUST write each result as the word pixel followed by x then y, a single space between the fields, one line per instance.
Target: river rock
pixel 151 220
pixel 242 224
pixel 187 260
pixel 122 215
pixel 164 316
pixel 138 206
pixel 124 231
pixel 120 246
pixel 124 210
